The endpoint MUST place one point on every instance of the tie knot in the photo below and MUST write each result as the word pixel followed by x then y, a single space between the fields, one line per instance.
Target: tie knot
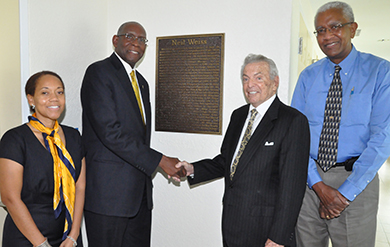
pixel 337 69
pixel 253 113
pixel 132 75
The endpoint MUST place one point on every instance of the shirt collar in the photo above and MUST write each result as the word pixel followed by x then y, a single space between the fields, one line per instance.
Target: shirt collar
pixel 127 66
pixel 346 65
pixel 263 108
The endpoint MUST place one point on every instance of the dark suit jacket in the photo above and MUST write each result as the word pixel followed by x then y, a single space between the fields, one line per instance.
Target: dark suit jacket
pixel 119 159
pixel 264 198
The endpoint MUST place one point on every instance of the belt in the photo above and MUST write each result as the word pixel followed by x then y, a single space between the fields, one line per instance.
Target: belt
pixel 348 164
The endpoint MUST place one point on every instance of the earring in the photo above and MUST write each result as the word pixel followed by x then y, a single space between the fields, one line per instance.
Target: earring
pixel 33 107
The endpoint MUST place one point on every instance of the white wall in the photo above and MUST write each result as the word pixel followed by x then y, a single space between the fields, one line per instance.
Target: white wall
pixel 301 9
pixel 66 36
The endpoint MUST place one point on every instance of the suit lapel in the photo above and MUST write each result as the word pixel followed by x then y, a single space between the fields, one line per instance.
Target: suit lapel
pixel 234 139
pixel 258 138
pixel 125 83
pixel 144 90
pixel 122 77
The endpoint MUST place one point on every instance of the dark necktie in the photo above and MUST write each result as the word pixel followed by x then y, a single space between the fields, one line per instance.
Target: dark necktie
pixel 327 150
pixel 245 139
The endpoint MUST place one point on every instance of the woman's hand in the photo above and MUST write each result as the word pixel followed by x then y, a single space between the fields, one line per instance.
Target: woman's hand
pixel 67 243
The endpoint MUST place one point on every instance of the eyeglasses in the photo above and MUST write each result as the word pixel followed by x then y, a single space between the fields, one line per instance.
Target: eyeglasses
pixel 333 29
pixel 131 37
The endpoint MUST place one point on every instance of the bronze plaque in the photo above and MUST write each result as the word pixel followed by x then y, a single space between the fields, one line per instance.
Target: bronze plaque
pixel 189 83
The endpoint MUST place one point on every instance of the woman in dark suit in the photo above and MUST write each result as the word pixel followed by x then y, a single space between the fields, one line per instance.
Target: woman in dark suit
pixel 42 172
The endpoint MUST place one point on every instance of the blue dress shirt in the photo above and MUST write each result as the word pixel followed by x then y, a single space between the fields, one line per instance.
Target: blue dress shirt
pixel 365 115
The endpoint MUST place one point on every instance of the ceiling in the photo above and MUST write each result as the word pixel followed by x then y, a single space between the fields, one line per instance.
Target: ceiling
pixel 373 20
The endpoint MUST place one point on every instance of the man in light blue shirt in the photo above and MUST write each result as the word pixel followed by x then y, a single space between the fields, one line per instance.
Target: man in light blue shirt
pixel 342 203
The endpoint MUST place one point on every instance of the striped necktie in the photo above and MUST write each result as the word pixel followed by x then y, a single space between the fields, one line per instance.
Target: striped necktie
pixel 245 139
pixel 327 150
pixel 64 172
pixel 137 94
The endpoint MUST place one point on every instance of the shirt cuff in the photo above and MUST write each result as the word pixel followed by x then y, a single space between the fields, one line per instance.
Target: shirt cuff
pixel 313 176
pixel 349 190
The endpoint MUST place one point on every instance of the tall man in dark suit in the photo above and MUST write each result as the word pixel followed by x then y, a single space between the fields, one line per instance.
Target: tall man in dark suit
pixel 116 135
pixel 263 160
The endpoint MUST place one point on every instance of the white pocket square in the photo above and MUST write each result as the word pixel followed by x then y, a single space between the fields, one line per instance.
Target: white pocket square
pixel 269 144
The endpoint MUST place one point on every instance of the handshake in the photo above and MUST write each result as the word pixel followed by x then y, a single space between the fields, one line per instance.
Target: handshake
pixel 175 168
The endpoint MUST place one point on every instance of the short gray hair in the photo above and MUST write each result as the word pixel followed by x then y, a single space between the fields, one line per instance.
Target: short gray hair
pixel 253 58
pixel 344 7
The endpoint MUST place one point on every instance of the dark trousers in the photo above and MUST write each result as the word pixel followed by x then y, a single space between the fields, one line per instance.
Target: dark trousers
pixel 112 231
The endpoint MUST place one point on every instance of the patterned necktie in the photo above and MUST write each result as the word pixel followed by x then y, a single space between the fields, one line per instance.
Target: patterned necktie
pixel 136 92
pixel 327 150
pixel 245 139
pixel 64 172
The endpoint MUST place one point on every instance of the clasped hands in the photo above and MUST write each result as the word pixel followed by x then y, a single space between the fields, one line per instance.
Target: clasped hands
pixel 175 168
pixel 332 202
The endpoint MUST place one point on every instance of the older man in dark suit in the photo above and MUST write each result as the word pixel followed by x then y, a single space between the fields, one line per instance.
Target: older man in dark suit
pixel 263 160
pixel 116 135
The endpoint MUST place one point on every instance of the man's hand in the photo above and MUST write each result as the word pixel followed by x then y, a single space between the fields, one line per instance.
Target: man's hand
pixel 189 169
pixel 271 243
pixel 324 213
pixel 332 201
pixel 168 166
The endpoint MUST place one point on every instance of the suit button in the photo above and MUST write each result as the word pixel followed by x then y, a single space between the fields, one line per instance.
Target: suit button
pixel 230 186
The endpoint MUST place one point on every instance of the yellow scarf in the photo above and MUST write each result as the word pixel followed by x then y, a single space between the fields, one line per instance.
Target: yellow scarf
pixel 64 172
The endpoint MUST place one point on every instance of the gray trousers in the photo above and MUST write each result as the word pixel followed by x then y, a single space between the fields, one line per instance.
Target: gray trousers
pixel 356 225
